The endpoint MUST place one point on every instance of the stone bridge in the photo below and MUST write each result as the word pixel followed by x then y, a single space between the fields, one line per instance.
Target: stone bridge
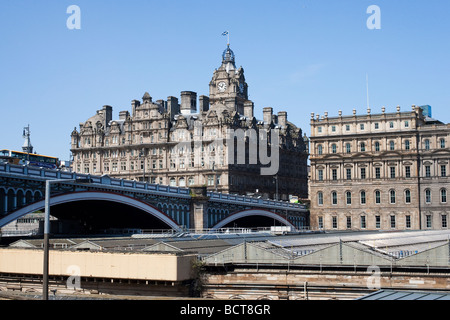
pixel 106 203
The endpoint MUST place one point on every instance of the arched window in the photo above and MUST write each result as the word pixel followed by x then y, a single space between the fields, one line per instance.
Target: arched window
pixel 334 197
pixel 363 146
pixel 407 196
pixel 377 146
pixel 320 198
pixel 443 195
pixel 348 197
pixel 333 148
pixel 363 197
pixel 427 196
pixel 377 197
pixel 392 196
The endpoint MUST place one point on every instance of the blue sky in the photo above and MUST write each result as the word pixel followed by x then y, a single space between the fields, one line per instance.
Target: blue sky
pixel 299 56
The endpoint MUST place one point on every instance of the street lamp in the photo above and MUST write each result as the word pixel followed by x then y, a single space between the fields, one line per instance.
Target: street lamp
pixel 47 228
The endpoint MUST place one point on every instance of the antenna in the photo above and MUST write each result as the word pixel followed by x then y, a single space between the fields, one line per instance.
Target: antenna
pixel 367 87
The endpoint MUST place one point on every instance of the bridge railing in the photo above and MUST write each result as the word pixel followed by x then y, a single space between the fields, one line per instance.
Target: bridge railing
pixel 42 173
pixel 254 201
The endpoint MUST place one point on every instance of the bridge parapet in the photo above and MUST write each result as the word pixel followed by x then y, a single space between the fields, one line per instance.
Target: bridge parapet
pixel 45 174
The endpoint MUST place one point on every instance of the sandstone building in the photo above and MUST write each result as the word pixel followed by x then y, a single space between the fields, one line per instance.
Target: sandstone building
pixel 184 143
pixel 387 171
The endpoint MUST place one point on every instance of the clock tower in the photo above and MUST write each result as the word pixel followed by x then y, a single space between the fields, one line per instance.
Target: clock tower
pixel 228 87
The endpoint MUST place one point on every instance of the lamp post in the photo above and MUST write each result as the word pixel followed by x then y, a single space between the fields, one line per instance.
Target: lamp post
pixel 47 228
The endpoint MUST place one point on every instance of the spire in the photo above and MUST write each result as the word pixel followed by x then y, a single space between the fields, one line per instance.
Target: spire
pixel 228 55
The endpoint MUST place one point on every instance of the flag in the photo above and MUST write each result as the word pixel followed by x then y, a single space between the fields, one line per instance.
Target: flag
pixel 225 33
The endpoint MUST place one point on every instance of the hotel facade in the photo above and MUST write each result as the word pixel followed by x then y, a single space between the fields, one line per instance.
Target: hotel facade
pixel 386 171
pixel 185 143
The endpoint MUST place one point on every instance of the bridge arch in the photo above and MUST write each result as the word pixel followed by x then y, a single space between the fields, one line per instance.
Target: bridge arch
pixel 87 196
pixel 250 213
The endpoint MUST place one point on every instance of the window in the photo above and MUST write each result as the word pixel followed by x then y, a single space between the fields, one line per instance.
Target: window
pixel 407 145
pixel 363 147
pixel 334 174
pixel 333 148
pixel 334 197
pixel 392 222
pixel 320 174
pixel 427 144
pixel 392 172
pixel 173 182
pixel 377 197
pixel 334 221
pixel 349 174
pixel 443 195
pixel 442 143
pixel 320 222
pixel 428 171
pixel 182 182
pixel 348 148
pixel 319 149
pixel 347 127
pixel 406 124
pixel 377 146
pixel 319 129
pixel 428 220
pixel 320 198
pixel 392 196
pixel 391 125
pixel 333 128
pixel 363 173
pixel 377 126
pixel 377 173
pixel 443 171
pixel 407 196
pixel 408 172
pixel 361 126
pixel 408 222
pixel 377 222
pixel 392 145
pixel 428 196
pixel 349 222
pixel 348 196
pixel 363 222
pixel 444 221
pixel 363 197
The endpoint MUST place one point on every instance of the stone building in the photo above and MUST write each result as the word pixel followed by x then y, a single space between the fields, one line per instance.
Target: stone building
pixel 379 171
pixel 211 140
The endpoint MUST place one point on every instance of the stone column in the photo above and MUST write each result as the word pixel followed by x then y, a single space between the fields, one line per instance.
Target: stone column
pixel 199 208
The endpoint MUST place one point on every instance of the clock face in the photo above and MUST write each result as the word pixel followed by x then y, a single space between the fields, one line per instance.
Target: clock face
pixel 222 86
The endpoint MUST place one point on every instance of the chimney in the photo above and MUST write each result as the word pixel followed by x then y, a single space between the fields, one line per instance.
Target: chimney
pixel 107 114
pixel 203 103
pixel 134 105
pixel 188 102
pixel 173 107
pixel 123 115
pixel 248 109
pixel 267 115
pixel 282 118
